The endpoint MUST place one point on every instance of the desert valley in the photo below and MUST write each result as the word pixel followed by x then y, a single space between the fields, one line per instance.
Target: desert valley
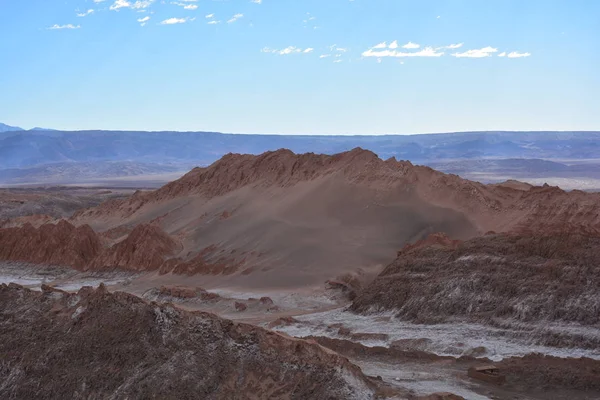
pixel 301 275
pixel 299 200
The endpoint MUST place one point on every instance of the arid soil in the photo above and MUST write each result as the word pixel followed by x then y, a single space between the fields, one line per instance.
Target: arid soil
pixel 94 344
pixel 498 277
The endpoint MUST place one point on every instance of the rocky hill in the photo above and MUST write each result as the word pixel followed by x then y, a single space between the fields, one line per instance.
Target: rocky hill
pixel 498 277
pixel 94 344
pixel 283 218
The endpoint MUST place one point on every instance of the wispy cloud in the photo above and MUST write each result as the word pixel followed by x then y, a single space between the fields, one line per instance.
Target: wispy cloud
pixel 256 1
pixel 137 5
pixel 86 13
pixel 142 4
pixel 214 22
pixel 235 18
pixel 516 54
pixel 287 50
pixel 143 21
pixel 454 46
pixel 173 21
pixel 67 26
pixel 185 6
pixel 426 52
pixel 209 16
pixel 503 54
pixel 477 53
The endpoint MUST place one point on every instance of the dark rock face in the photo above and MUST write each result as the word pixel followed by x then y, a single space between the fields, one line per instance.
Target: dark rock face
pixel 523 277
pixel 94 344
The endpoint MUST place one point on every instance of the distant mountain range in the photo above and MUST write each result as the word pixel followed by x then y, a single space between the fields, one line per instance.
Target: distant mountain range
pixel 149 151
pixel 8 128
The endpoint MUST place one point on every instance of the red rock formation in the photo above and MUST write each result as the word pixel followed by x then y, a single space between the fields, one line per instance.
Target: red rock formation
pixel 60 244
pixel 489 207
pixel 145 249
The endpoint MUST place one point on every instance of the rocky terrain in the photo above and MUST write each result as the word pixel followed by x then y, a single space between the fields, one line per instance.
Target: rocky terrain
pixel 498 279
pixel 42 205
pixel 299 243
pixel 94 344
pixel 279 218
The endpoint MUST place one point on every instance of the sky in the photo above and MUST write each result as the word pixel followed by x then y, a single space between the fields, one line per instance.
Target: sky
pixel 301 66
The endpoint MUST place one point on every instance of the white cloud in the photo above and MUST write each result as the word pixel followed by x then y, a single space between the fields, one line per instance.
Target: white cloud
pixel 477 53
pixel 324 55
pixel 426 52
pixel 411 45
pixel 138 5
pixel 214 22
pixel 98 1
pixel 337 61
pixel 173 21
pixel 142 4
pixel 381 45
pixel 235 18
pixel 256 1
pixel 185 5
pixel 503 54
pixel 454 46
pixel 83 14
pixel 68 26
pixel 209 16
pixel 288 50
pixel 120 4
pixel 515 54
pixel 394 45
pixel 143 21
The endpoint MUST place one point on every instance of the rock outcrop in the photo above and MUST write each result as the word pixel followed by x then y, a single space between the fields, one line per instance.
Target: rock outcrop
pixel 145 249
pixel 102 345
pixel 526 278
pixel 60 244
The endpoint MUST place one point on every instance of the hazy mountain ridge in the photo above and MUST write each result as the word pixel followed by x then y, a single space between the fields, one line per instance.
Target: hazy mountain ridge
pixel 8 128
pixel 157 152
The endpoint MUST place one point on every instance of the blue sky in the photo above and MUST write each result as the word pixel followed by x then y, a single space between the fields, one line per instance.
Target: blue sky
pixel 301 66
